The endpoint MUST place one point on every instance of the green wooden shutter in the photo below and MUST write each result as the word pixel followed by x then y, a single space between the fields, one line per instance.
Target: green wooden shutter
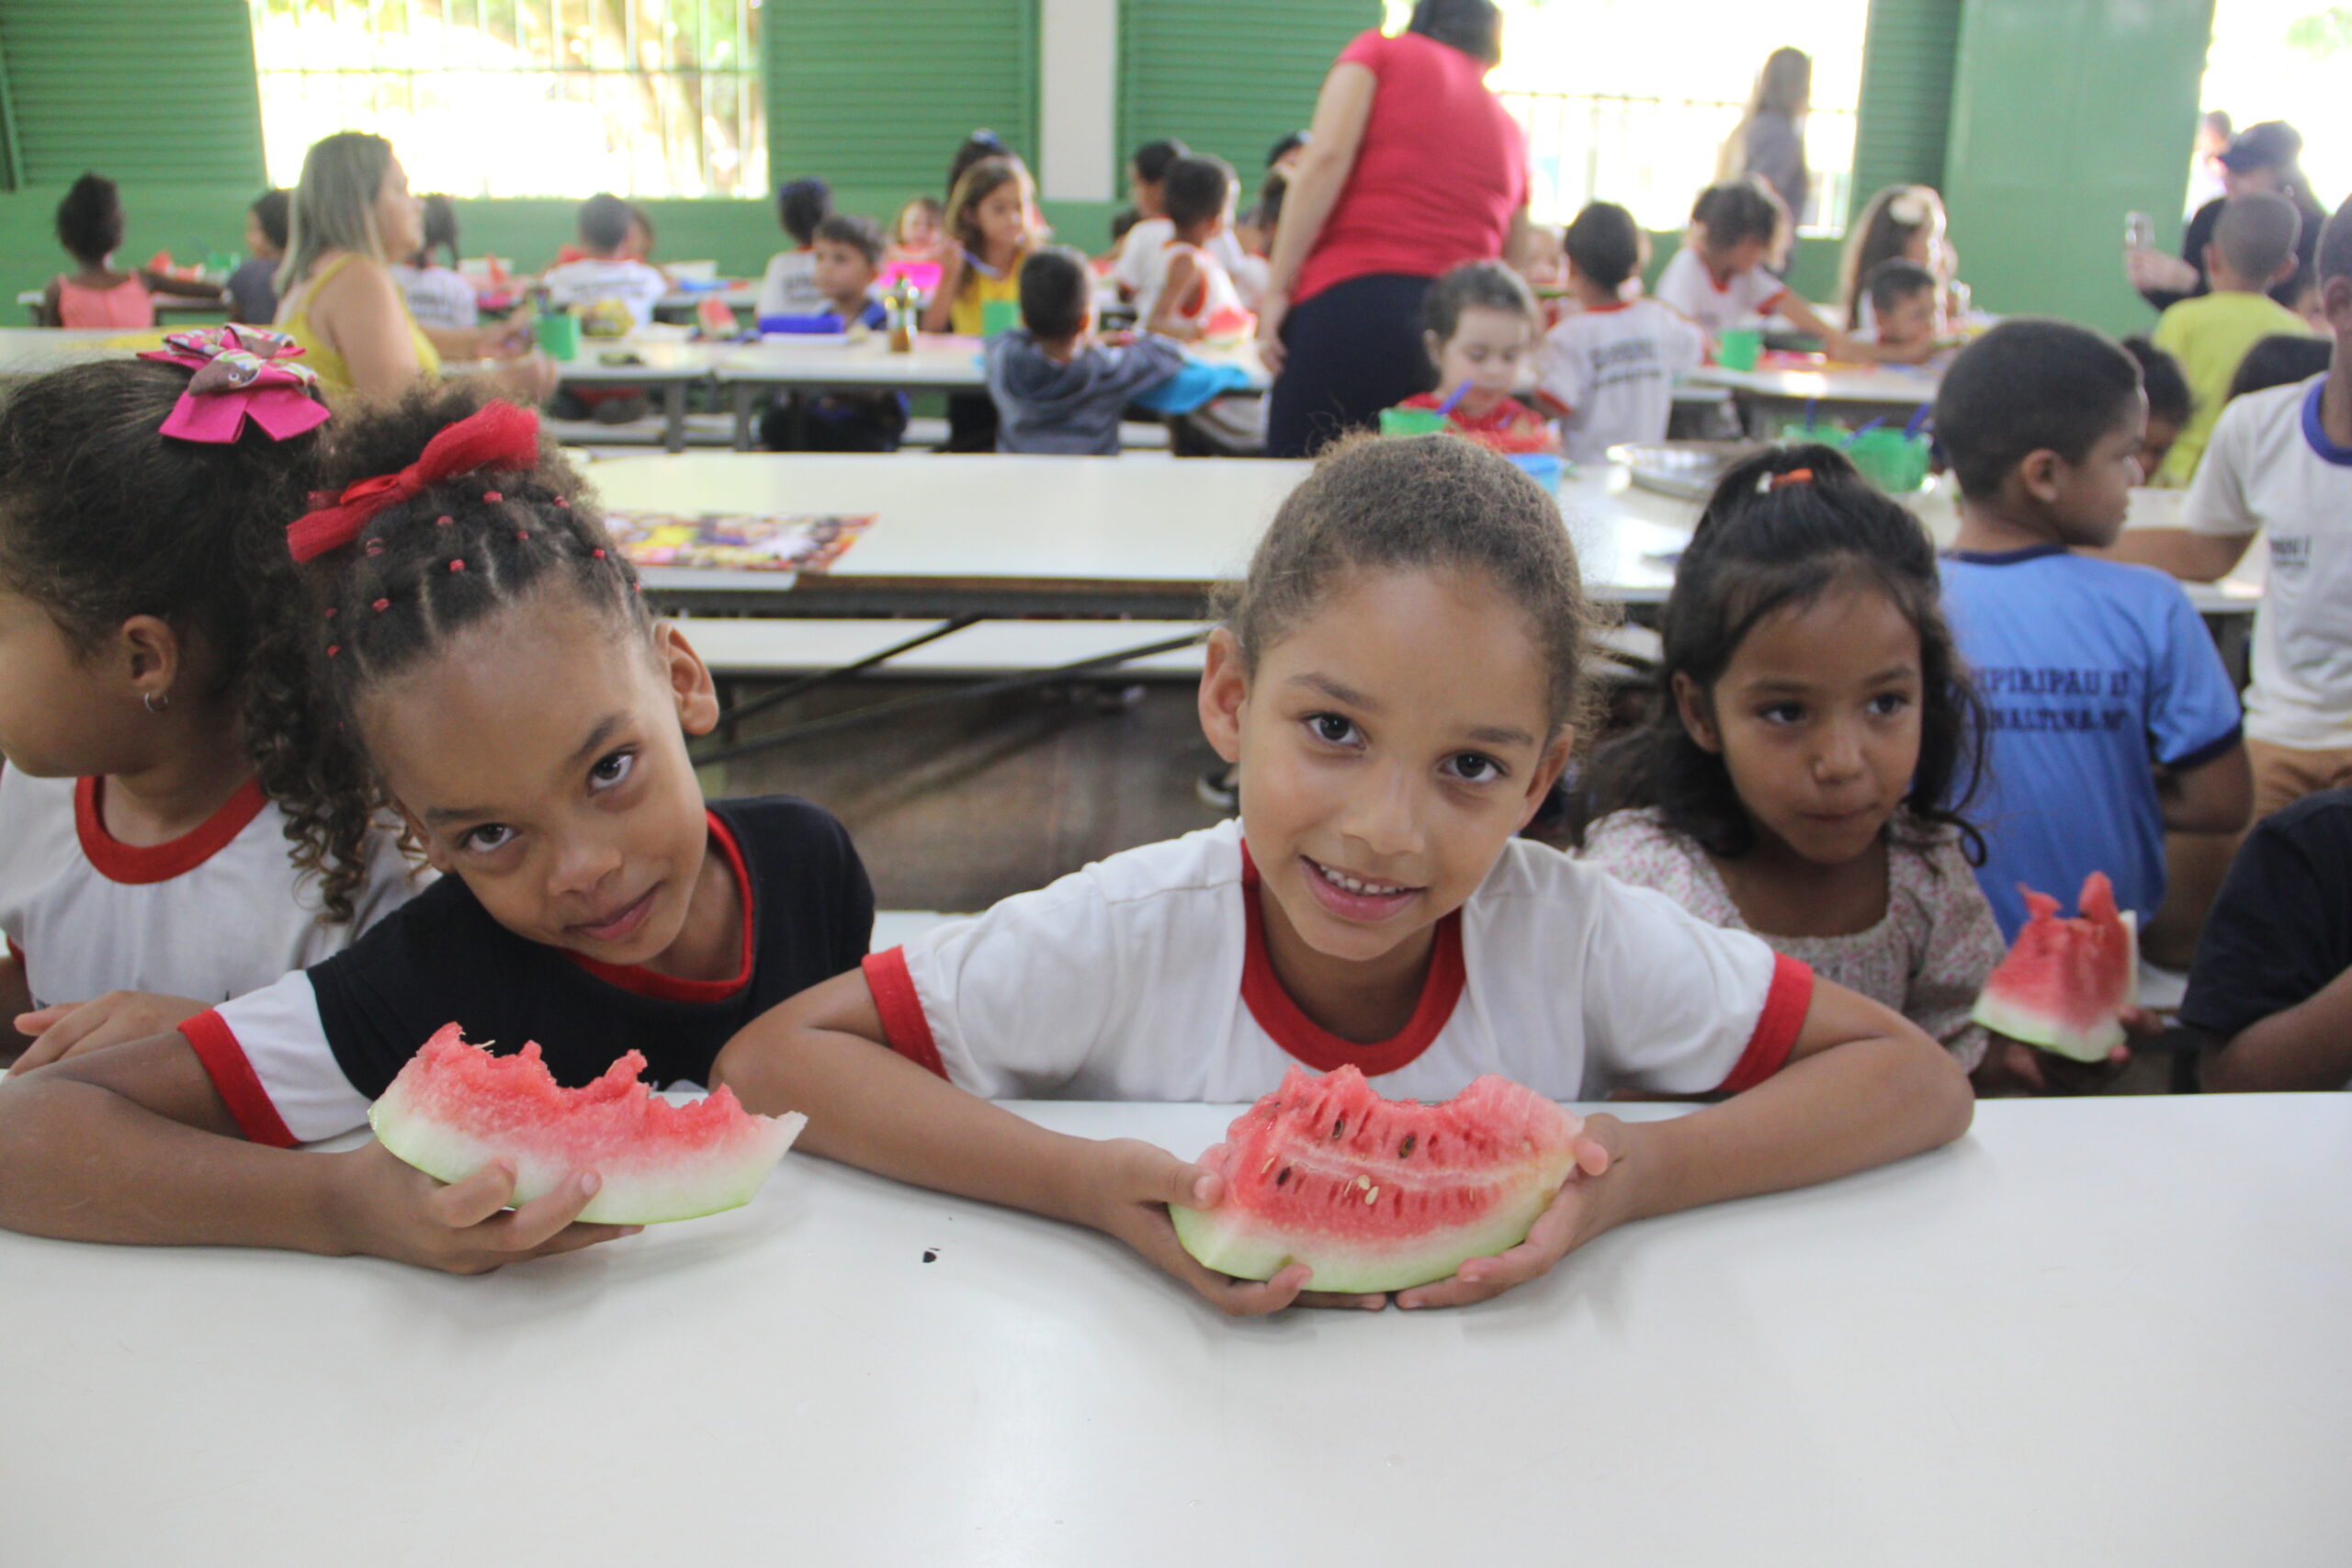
pixel 139 90
pixel 1908 57
pixel 875 94
pixel 1227 76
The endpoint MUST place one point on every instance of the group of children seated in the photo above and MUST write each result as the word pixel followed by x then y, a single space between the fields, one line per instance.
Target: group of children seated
pixel 384 681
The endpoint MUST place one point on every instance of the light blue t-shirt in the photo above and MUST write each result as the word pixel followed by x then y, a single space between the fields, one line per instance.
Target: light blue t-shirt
pixel 2095 672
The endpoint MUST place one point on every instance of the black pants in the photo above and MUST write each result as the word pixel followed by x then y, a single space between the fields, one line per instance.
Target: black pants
pixel 1350 352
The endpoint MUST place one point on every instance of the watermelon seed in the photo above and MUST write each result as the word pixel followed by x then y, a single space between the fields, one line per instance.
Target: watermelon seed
pixel 1405 1149
pixel 930 1255
pixel 1284 1177
pixel 1373 1196
pixel 1364 1182
pixel 1338 1127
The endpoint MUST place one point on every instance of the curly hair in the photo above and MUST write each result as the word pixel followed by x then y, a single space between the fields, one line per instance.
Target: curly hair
pixel 1424 503
pixel 1761 550
pixel 89 220
pixel 421 573
pixel 103 517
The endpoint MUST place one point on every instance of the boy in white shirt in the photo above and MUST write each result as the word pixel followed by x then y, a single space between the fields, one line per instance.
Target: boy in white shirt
pixel 1137 273
pixel 1187 294
pixel 789 290
pixel 1606 372
pixel 2281 464
pixel 607 271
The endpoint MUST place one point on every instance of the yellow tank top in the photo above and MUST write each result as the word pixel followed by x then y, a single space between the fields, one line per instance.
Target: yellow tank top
pixel 978 290
pixel 334 375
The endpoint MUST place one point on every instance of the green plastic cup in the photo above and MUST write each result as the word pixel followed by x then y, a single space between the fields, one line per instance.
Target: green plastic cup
pixel 1411 421
pixel 999 316
pixel 1738 348
pixel 1894 462
pixel 560 334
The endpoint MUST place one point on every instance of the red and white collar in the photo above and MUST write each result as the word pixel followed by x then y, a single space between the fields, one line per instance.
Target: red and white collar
pixel 139 865
pixel 1282 1018
pixel 638 980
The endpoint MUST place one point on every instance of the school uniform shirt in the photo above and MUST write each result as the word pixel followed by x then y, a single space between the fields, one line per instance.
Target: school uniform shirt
pixel 1146 976
pixel 789 286
pixel 2095 672
pixel 2272 468
pixel 437 296
pixel 1212 305
pixel 1687 287
pixel 1142 266
pixel 302 1059
pixel 577 285
pixel 1509 426
pixel 2281 931
pixel 219 911
pixel 1609 371
pixel 2209 335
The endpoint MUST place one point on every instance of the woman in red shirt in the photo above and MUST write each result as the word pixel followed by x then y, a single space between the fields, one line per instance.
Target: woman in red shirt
pixel 1411 167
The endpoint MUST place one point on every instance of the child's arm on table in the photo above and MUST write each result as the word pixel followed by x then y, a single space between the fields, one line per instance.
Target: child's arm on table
pixel 2215 796
pixel 2190 556
pixel 1800 314
pixel 824 1054
pixel 136 1145
pixel 71 1029
pixel 1863 1086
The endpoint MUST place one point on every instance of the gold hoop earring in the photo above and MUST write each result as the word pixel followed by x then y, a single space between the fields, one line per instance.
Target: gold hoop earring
pixel 155 704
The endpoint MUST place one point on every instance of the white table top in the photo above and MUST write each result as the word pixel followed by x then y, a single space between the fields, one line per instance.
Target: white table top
pixel 2107 1331
pixel 939 361
pixel 1007 521
pixel 34 350
pixel 1897 385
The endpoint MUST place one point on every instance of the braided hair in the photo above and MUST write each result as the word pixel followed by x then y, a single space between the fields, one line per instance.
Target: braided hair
pixel 419 573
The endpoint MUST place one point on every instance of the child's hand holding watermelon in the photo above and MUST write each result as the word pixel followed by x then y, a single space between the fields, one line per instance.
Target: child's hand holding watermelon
pixel 379 1206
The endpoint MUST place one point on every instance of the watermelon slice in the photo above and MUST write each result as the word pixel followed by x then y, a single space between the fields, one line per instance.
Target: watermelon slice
pixel 1378 1194
pixel 2065 981
pixel 454 1107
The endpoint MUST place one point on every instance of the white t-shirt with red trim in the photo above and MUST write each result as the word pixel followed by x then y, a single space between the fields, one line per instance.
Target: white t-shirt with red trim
pixel 219 911
pixel 1609 374
pixel 1146 976
pixel 1688 287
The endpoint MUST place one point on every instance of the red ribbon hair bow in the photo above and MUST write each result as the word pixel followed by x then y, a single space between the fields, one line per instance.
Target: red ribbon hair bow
pixel 496 435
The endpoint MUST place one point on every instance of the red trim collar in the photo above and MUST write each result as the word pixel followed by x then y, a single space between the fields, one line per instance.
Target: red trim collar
pixel 1300 1036
pixel 640 981
pixel 1607 309
pixel 142 863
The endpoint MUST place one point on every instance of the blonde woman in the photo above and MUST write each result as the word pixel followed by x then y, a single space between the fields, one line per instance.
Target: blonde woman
pixel 1768 141
pixel 351 214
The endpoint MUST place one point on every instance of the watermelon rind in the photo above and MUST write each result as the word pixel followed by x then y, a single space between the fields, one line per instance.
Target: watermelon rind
pixel 438 1117
pixel 1247 1252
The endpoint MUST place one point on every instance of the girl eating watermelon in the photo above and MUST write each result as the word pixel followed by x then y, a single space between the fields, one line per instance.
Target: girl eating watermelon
pixel 478 661
pixel 1398 681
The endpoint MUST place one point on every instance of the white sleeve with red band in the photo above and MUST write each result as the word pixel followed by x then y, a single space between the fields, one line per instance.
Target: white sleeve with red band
pixel 1777 1026
pixel 267 1054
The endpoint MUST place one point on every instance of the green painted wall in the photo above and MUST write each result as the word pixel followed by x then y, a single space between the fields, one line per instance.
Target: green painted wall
pixel 2067 115
pixel 2046 120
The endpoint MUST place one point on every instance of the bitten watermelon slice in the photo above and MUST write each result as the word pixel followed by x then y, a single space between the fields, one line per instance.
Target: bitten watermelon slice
pixel 454 1107
pixel 1378 1194
pixel 2064 981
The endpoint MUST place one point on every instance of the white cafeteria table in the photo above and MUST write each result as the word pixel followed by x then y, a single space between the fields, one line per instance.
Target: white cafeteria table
pixel 2099 1331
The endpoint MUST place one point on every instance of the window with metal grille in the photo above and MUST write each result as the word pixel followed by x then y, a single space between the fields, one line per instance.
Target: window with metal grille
pixel 523 98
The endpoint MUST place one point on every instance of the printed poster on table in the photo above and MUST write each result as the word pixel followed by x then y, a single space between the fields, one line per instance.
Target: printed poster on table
pixel 735 541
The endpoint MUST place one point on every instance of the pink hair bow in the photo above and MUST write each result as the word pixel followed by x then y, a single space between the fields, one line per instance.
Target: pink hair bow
pixel 496 435
pixel 241 373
